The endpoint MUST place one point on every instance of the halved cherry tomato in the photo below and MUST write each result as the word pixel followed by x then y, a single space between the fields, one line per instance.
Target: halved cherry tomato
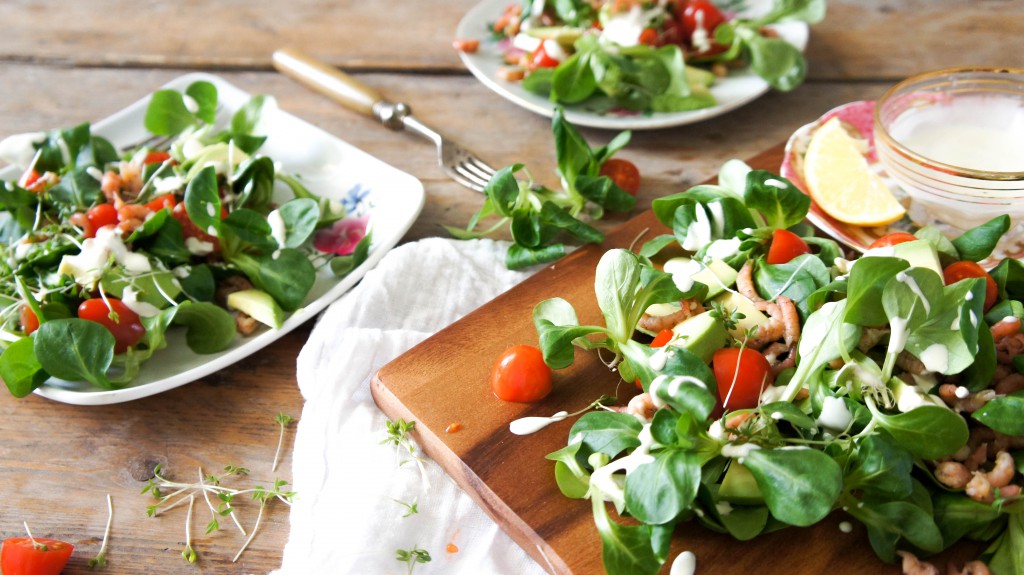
pixel 28 178
pixel 963 269
pixel 190 230
pixel 156 158
pixel 648 37
pixel 701 14
pixel 785 246
pixel 23 556
pixel 541 59
pixel 98 216
pixel 126 328
pixel 29 321
pixel 664 336
pixel 624 173
pixel 741 374
pixel 892 239
pixel 161 202
pixel 520 374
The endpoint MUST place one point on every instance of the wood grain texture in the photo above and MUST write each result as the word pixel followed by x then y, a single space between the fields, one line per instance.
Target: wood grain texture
pixel 508 475
pixel 859 39
pixel 58 462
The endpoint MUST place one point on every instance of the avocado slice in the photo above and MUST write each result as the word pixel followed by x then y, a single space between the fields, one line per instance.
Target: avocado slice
pixel 701 335
pixel 258 305
pixel 717 275
pixel 920 254
pixel 739 486
pixel 751 316
pixel 699 77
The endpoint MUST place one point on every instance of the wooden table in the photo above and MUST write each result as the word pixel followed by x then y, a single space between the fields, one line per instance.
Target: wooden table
pixel 65 62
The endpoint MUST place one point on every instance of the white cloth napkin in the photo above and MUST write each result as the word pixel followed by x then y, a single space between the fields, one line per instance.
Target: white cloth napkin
pixel 345 518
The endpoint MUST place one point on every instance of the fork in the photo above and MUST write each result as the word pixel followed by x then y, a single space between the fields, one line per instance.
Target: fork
pixel 457 162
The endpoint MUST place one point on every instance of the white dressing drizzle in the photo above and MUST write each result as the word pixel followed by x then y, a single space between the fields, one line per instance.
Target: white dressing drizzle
pixel 278 230
pixel 723 249
pixel 686 562
pixel 698 233
pixel 528 425
pixel 130 298
pixel 673 383
pixel 846 527
pixel 912 284
pixel 683 272
pixel 898 334
pixel 962 392
pixel 935 357
pixel 834 415
pixel 717 218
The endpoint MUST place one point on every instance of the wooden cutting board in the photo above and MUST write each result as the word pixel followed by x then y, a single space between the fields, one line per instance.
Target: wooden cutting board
pixel 444 380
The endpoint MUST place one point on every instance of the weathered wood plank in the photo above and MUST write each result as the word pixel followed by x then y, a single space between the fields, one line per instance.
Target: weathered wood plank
pixel 872 39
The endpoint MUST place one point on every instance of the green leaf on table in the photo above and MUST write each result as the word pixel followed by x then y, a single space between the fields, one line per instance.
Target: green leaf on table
pixel 607 432
pixel 881 467
pixel 247 118
pixel 625 550
pixel 557 328
pixel 978 242
pixel 890 521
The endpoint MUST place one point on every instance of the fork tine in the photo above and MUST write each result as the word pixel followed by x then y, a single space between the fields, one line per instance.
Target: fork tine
pixel 481 165
pixel 473 168
pixel 465 180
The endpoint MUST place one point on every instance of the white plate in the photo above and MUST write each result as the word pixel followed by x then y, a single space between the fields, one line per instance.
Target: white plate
pixel 329 167
pixel 731 92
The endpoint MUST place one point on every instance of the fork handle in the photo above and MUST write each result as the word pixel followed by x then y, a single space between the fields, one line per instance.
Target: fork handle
pixel 339 86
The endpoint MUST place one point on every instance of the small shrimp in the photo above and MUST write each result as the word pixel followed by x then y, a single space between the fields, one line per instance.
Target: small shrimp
pixel 970 568
pixel 1010 384
pixel 131 176
pixel 244 324
pixel 973 402
pixel 870 337
pixel 1005 327
pixel 977 458
pixel 1009 347
pixel 911 364
pixel 979 488
pixel 656 323
pixel 642 406
pixel 1003 472
pixel 914 566
pixel 783 323
pixel 745 283
pixel 776 350
pixel 111 184
pixel 131 217
pixel 952 474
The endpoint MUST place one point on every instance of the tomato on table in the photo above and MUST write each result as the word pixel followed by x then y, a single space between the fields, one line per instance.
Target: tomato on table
pixel 41 556
pixel 624 173
pixel 785 246
pixel 126 327
pixel 521 375
pixel 741 374
pixel 964 269
pixel 892 239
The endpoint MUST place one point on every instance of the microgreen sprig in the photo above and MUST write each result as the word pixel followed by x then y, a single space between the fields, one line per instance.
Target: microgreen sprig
pixel 398 435
pixel 100 560
pixel 411 508
pixel 412 557
pixel 282 420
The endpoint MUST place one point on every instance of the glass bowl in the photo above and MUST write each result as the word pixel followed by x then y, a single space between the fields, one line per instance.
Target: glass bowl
pixel 954 141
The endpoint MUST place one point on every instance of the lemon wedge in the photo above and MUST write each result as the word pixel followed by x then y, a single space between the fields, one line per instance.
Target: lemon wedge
pixel 842 183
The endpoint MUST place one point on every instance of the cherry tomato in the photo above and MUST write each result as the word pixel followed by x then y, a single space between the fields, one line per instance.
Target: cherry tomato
pixel 624 173
pixel 28 178
pixel 785 246
pixel 541 59
pixel 161 202
pixel 126 329
pixel 520 374
pixel 648 37
pixel 22 556
pixel 98 216
pixel 957 271
pixel 29 321
pixel 191 230
pixel 892 239
pixel 701 14
pixel 156 158
pixel 664 336
pixel 741 374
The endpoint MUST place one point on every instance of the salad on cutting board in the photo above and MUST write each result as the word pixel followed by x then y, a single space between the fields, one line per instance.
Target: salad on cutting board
pixel 107 251
pixel 779 381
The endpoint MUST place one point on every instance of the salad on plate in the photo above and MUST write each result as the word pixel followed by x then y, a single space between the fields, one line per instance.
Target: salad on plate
pixel 105 252
pixel 647 56
pixel 779 382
